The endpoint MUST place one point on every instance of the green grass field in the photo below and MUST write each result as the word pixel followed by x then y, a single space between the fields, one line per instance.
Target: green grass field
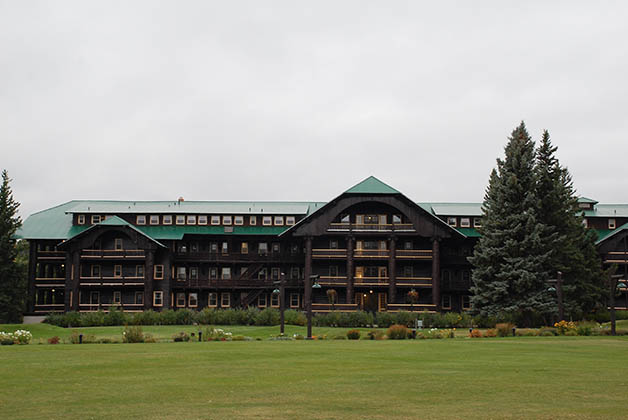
pixel 525 377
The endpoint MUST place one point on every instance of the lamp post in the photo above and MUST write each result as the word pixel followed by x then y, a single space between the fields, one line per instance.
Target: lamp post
pixel 282 304
pixel 308 304
pixel 559 294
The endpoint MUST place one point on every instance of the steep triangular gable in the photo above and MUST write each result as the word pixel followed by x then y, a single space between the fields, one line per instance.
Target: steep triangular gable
pixel 371 185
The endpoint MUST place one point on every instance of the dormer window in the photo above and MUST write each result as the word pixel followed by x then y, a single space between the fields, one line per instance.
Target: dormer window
pixel 167 219
pixel 202 220
pixel 154 219
pixel 95 218
pixel 180 219
pixel 452 221
pixel 215 220
pixel 290 220
pixel 191 219
pixel 238 220
pixel 252 220
pixel 140 220
pixel 81 219
pixel 227 220
pixel 267 221
pixel 465 222
pixel 477 222
pixel 278 220
pixel 611 224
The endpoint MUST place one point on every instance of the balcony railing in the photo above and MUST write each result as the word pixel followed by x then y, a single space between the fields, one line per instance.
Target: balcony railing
pixel 371 281
pixel 205 256
pixel 329 253
pixel 340 307
pixel 616 257
pixel 113 253
pixel 51 255
pixel 333 280
pixel 414 281
pixel 112 281
pixel 417 307
pixel 371 253
pixel 364 227
pixel 49 281
pixel 415 254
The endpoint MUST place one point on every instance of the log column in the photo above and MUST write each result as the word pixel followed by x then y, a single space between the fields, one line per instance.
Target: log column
pixel 149 272
pixel 165 283
pixel 436 273
pixel 307 295
pixel 69 279
pixel 392 267
pixel 350 241
pixel 32 267
pixel 75 281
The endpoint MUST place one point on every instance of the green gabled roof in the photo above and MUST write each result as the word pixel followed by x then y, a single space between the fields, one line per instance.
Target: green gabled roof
pixel 52 223
pixel 604 234
pixel 371 185
pixel 586 200
pixel 116 221
pixel 178 232
pixel 469 232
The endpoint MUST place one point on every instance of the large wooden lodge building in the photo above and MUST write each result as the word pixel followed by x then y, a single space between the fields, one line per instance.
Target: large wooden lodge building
pixel 371 244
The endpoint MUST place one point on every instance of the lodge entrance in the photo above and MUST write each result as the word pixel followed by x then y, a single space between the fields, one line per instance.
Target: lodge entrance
pixel 371 301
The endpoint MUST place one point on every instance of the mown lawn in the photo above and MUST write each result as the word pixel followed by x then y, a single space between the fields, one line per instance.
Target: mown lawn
pixel 527 377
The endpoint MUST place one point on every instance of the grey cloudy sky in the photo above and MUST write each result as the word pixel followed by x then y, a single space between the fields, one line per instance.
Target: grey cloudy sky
pixel 291 100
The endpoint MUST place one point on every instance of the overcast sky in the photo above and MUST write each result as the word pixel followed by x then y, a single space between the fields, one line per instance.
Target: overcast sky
pixel 290 100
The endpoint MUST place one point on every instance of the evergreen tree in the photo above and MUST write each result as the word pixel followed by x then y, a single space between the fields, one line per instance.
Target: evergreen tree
pixel 12 284
pixel 574 253
pixel 511 258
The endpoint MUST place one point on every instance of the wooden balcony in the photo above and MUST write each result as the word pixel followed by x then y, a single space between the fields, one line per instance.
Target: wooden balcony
pixel 227 257
pixel 112 281
pixel 320 253
pixel 332 280
pixel 236 283
pixel 49 281
pixel 338 307
pixel 414 254
pixel 616 257
pixel 371 281
pixel 51 307
pixel 355 227
pixel 51 255
pixel 371 253
pixel 414 281
pixel 118 254
pixel 417 307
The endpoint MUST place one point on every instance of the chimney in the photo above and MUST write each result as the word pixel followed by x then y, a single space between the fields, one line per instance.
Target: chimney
pixel 180 199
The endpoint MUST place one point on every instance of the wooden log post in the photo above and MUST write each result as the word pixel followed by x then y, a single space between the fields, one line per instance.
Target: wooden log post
pixel 436 273
pixel 350 241
pixel 392 267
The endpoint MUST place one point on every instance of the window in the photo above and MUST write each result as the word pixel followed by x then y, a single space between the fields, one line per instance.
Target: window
pixel 274 273
pixel 202 220
pixel 238 220
pixel 263 248
pixel 94 298
pixel 267 220
pixel 243 271
pixel 194 247
pixel 215 220
pixel 294 249
pixel 139 298
pixel 158 272
pixel 180 300
pixel 139 271
pixel 244 249
pixel 396 218
pixel 181 273
pixel 167 219
pixel 274 300
pixel 407 245
pixel 294 300
pixel 95 218
pixel 158 298
pixel 466 302
pixel 117 270
pixel 193 273
pixel 225 248
pixel 117 244
pixel 446 302
pixel 95 271
pixel 451 221
pixel 227 220
pixel 333 271
pixel 585 223
pixel 225 300
pixel 226 273
pixel 191 219
pixel 213 273
pixel 261 300
pixel 465 222
pixel 154 219
pixel 294 272
pixel 183 248
pixel 252 220
pixel 81 219
pixel 333 244
pixel 117 298
pixel 262 274
pixel 345 218
pixel 290 220
pixel 193 300
pixel 276 248
pixel 140 220
pixel 611 223
pixel 180 219
pixel 278 220
pixel 407 271
pixel 212 300
pixel 477 222
pixel 213 248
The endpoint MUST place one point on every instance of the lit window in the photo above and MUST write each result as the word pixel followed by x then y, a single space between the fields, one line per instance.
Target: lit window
pixel 140 220
pixel 202 220
pixel 180 219
pixel 226 273
pixel 466 302
pixel 294 300
pixel 212 300
pixel 267 220
pixel 477 222
pixel 117 270
pixel 139 298
pixel 81 219
pixel 611 223
pixel 227 220
pixel 244 249
pixel 225 300
pixel 278 220
pixel 96 218
pixel 158 273
pixel 117 244
pixel 180 300
pixel 451 221
pixel 252 220
pixel 446 302
pixel 154 219
pixel 117 298
pixel 215 220
pixel 238 220
pixel 158 298
pixel 261 301
pixel 465 222
pixel 290 220
pixel 193 300
pixel 167 220
pixel 191 219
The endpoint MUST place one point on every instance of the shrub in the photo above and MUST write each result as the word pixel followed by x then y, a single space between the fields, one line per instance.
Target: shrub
pixel 267 317
pixel 571 333
pixel 149 317
pixel 167 317
pixel 340 337
pixel 504 329
pixel 184 316
pixel 149 338
pixel 491 332
pixel 397 332
pixel 385 319
pixel 206 316
pixel 434 333
pixel 353 334
pixel 526 332
pixel 115 317
pixel 584 329
pixel 181 337
pixel 216 334
pixel 133 334
pixel 74 337
pixel 293 317
pixel 405 318
pixel 6 339
pixel 92 319
pixel 548 332
pixel 54 340
pixel 563 327
pixel 475 333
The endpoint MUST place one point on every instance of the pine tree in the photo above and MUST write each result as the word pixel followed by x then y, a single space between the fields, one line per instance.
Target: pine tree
pixel 574 247
pixel 511 258
pixel 12 284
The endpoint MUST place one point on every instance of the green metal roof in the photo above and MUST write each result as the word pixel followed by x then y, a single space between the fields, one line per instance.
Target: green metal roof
pixel 116 221
pixel 52 223
pixel 586 200
pixel 372 185
pixel 469 232
pixel 453 209
pixel 608 210
pixel 604 234
pixel 178 232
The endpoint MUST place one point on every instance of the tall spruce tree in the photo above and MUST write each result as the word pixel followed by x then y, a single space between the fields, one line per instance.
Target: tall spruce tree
pixel 574 246
pixel 511 258
pixel 12 284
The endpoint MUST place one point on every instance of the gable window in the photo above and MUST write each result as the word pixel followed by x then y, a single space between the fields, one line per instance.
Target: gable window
pixel 290 220
pixel 202 220
pixel 215 220
pixel 139 271
pixel 193 300
pixel 477 222
pixel 225 300
pixel 267 221
pixel 81 219
pixel 140 219
pixel 95 218
pixel 227 220
pixel 154 219
pixel 294 300
pixel 396 218
pixel 117 244
pixel 446 302
pixel 465 222
pixel 180 219
pixel 191 219
pixel 238 220
pixel 158 298
pixel 278 220
pixel 117 270
pixel 252 220
pixel 180 300
pixel 117 298
pixel 167 219
pixel 226 273
pixel 611 223
pixel 139 298
pixel 158 272
pixel 212 300
pixel 451 221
